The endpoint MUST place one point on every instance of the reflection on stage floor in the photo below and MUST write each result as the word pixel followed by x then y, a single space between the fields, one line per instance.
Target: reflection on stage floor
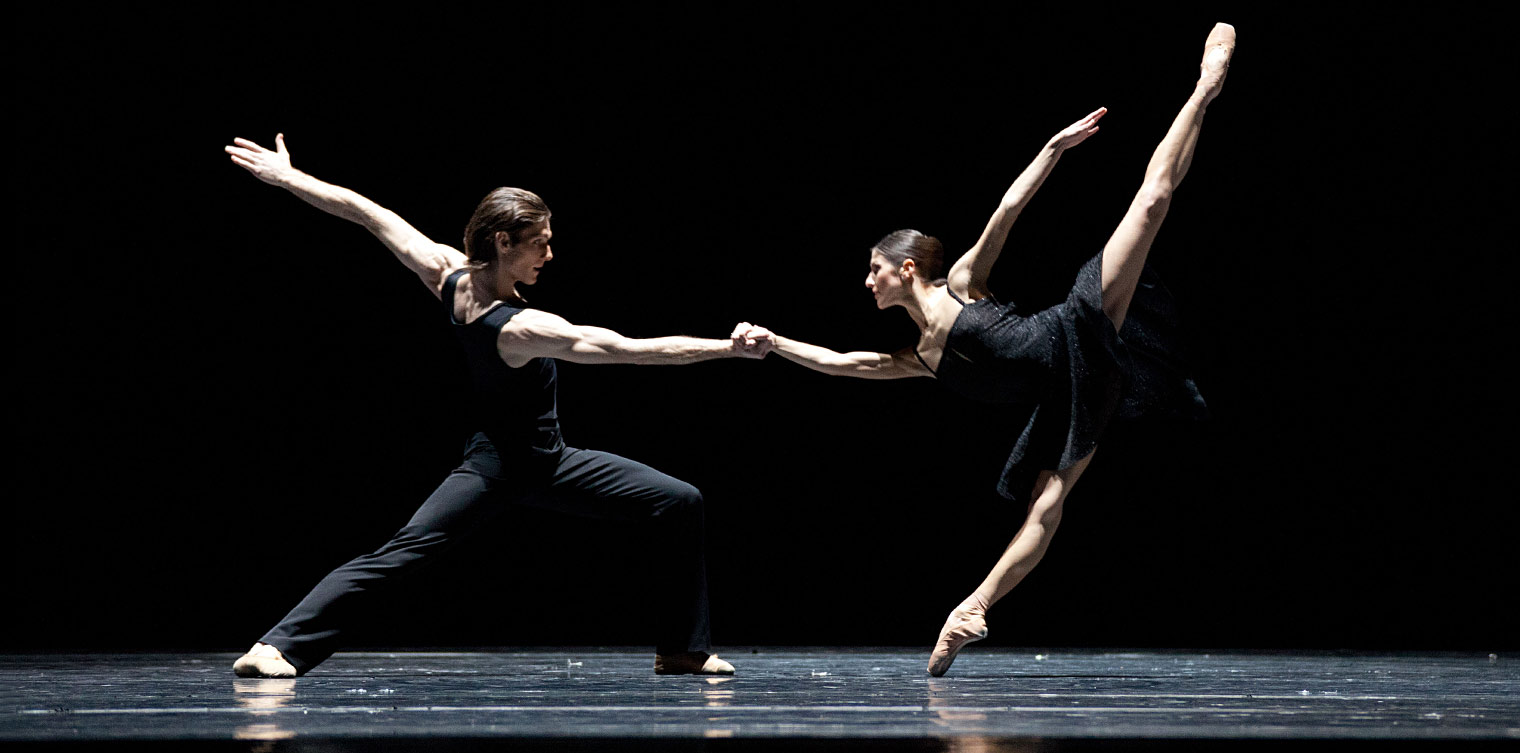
pixel 781 698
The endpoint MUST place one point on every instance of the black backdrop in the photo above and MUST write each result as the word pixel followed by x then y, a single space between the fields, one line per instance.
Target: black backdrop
pixel 222 393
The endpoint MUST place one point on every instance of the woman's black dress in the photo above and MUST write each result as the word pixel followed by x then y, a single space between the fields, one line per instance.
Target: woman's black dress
pixel 1069 369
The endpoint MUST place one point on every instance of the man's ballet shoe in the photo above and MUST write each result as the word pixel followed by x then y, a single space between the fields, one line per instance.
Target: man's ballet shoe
pixel 263 660
pixel 968 623
pixel 691 663
pixel 1217 50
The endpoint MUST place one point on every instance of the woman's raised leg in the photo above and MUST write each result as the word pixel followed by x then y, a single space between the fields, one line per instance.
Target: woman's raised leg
pixel 968 622
pixel 1124 255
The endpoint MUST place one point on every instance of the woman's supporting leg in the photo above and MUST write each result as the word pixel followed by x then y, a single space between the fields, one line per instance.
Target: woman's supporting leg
pixel 968 622
pixel 311 632
pixel 1124 255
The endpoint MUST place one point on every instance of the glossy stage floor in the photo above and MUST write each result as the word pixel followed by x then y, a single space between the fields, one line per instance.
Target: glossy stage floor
pixel 782 699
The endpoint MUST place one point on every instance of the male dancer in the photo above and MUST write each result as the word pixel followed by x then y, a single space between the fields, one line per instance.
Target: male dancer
pixel 517 455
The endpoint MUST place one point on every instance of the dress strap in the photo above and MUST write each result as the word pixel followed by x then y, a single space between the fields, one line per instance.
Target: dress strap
pixel 952 295
pixel 921 359
pixel 448 292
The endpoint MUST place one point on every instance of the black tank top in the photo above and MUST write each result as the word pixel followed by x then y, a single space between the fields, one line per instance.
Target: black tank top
pixel 514 409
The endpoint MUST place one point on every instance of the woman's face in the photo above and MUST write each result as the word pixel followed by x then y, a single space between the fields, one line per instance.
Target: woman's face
pixel 884 281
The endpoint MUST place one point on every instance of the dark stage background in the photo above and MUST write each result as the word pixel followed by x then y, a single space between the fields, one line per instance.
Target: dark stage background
pixel 221 393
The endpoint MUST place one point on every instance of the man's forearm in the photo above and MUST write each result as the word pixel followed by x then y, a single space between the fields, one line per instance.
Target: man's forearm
pixel 674 350
pixel 334 200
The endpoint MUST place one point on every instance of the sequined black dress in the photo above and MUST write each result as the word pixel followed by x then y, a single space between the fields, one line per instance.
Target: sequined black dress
pixel 1069 371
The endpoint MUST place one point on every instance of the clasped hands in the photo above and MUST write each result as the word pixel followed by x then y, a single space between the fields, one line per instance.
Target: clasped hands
pixel 752 341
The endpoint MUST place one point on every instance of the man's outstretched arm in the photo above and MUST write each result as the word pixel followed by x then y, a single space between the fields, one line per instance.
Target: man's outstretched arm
pixel 430 261
pixel 539 334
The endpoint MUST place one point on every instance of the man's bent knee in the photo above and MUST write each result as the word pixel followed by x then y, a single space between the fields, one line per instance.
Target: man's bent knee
pixel 681 499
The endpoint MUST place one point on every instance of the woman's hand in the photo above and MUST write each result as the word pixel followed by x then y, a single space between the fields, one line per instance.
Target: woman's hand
pixel 752 341
pixel 1078 132
pixel 271 167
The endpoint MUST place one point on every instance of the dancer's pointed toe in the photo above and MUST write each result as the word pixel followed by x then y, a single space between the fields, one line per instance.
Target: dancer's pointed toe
pixel 1221 34
pixel 1217 51
pixel 967 624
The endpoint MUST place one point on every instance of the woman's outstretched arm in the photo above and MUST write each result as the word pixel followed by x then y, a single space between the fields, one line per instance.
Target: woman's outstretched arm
pixel 863 364
pixel 431 261
pixel 968 277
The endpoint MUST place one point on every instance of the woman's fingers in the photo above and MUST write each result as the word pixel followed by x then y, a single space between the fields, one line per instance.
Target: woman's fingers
pixel 752 339
pixel 246 144
pixel 279 143
pixel 1078 132
pixel 1091 119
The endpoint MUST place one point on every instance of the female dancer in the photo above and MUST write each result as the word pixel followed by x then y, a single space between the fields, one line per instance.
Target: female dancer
pixel 1066 364
pixel 518 455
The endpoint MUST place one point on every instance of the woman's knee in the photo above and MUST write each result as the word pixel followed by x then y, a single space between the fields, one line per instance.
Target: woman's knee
pixel 1046 510
pixel 1155 198
pixel 1051 490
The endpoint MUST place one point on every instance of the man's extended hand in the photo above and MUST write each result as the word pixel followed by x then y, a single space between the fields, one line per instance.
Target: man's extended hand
pixel 272 167
pixel 752 341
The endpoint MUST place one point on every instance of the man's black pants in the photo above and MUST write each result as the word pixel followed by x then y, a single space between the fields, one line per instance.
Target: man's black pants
pixel 581 482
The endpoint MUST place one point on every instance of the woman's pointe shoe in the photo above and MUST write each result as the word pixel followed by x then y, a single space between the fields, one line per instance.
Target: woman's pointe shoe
pixel 1217 50
pixel 691 663
pixel 263 660
pixel 966 624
